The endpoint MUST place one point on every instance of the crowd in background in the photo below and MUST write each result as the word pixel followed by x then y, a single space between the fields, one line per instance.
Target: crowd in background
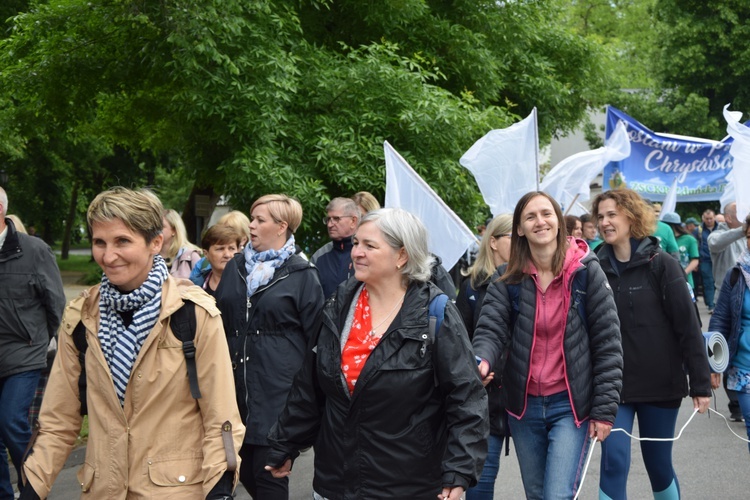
pixel 405 382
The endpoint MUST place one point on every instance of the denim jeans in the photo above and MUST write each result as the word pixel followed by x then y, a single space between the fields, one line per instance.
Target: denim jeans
pixel 485 487
pixel 653 422
pixel 709 287
pixel 16 393
pixel 551 449
pixel 744 400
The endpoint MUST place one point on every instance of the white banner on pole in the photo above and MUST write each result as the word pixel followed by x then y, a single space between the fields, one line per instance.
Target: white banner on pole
pixel 504 164
pixel 569 181
pixel 740 151
pixel 670 201
pixel 404 188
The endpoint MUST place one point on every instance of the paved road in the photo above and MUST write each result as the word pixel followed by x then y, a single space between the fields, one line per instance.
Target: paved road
pixel 709 460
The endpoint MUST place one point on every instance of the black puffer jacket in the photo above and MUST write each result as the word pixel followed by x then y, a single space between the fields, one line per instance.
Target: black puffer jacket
pixel 267 335
pixel 593 356
pixel 660 330
pixel 409 428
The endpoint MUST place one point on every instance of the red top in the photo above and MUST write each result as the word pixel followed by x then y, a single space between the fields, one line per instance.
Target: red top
pixel 360 343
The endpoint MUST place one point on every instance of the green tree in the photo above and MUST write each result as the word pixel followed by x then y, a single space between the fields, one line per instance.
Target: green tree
pixel 245 98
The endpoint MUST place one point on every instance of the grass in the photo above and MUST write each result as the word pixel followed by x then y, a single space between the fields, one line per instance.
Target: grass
pixel 90 271
pixel 84 434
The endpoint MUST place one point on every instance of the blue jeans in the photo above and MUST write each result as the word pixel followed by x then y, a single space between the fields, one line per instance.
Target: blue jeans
pixel 744 400
pixel 485 487
pixel 709 287
pixel 551 449
pixel 655 422
pixel 16 393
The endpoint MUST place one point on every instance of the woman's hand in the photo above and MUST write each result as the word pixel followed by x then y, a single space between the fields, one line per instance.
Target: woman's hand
pixel 599 430
pixel 715 380
pixel 283 471
pixel 484 373
pixel 701 404
pixel 455 493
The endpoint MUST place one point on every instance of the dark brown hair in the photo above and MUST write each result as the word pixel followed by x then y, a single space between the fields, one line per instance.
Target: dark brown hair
pixel 520 253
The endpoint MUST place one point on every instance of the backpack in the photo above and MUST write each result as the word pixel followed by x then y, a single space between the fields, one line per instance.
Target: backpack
pixel 183 327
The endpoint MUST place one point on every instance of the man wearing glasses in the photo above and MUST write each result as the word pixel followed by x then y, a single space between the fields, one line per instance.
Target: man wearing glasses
pixel 333 260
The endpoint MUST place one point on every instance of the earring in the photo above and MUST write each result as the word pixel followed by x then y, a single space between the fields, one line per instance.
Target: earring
pixel 398 266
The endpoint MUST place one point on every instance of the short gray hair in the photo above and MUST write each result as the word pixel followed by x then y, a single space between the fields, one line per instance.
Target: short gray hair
pixel 346 204
pixel 402 229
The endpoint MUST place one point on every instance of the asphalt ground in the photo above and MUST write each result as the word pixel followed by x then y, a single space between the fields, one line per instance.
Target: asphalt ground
pixel 709 460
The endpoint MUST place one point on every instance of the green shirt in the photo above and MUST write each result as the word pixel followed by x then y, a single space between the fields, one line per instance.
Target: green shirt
pixel 665 235
pixel 688 247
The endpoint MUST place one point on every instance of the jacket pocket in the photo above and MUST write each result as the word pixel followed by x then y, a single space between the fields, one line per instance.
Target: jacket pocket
pixel 86 475
pixel 175 471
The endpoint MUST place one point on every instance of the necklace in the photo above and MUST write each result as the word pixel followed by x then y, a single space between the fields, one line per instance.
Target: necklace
pixel 373 332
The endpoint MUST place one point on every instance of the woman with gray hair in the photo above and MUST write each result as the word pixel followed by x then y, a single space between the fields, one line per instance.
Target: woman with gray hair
pixel 393 409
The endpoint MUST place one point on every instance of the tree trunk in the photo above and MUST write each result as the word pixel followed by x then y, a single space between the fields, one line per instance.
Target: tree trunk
pixel 65 249
pixel 196 221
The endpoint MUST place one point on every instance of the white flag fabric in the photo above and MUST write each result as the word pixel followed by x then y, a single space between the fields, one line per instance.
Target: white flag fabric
pixel 505 164
pixel 740 151
pixel 670 201
pixel 568 182
pixel 404 188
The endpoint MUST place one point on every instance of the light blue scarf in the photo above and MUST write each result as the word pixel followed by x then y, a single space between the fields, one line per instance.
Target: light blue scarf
pixel 261 266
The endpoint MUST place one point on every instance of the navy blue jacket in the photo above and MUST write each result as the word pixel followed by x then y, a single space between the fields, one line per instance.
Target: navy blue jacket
pixel 727 318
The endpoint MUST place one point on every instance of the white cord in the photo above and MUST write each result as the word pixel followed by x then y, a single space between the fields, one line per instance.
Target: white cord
pixel 695 411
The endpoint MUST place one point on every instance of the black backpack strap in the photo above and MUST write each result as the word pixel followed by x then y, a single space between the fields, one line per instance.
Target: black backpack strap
pixel 183 327
pixel 79 339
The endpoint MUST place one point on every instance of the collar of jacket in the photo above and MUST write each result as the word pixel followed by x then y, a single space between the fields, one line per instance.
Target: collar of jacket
pixel 641 256
pixel 12 246
pixel 413 312
pixel 343 245
pixel 293 264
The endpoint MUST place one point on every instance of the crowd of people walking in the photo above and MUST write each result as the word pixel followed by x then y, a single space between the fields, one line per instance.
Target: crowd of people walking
pixel 199 367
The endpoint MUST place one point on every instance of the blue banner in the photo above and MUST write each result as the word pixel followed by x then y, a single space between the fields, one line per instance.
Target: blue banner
pixel 700 165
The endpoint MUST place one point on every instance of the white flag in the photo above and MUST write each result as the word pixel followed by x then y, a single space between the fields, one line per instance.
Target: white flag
pixel 404 188
pixel 504 163
pixel 740 151
pixel 670 201
pixel 568 182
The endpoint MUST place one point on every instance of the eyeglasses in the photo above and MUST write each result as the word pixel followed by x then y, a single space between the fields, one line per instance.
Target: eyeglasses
pixel 505 235
pixel 335 219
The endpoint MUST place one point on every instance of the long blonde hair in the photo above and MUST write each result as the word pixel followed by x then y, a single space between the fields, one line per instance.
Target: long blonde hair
pixel 179 240
pixel 484 266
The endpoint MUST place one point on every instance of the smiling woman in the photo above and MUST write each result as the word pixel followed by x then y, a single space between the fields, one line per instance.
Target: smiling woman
pixel 128 322
pixel 561 371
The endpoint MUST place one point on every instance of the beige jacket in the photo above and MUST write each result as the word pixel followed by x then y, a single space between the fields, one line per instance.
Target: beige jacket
pixel 163 444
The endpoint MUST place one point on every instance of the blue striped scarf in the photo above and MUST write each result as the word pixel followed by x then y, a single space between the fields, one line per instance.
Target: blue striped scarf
pixel 121 345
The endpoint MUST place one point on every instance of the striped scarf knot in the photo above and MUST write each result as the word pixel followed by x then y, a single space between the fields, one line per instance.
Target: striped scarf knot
pixel 121 345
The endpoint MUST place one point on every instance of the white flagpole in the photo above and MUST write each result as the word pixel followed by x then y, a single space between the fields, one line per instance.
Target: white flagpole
pixel 536 149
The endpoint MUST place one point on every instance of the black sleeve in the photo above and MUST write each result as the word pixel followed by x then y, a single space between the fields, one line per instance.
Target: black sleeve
pixel 223 489
pixel 28 493
pixel 464 306
pixel 680 310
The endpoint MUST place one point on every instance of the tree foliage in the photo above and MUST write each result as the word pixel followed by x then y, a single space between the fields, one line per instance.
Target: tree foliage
pixel 246 98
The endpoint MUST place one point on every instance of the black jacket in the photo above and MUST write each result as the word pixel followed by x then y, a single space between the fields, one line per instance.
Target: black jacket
pixel 593 355
pixel 660 329
pixel 32 300
pixel 334 263
pixel 409 428
pixel 469 304
pixel 267 335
